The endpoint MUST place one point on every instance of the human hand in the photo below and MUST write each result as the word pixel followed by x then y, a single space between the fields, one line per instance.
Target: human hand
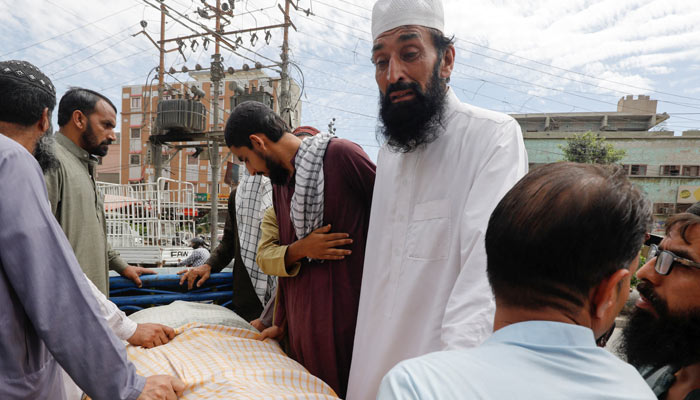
pixel 133 273
pixel 321 245
pixel 162 387
pixel 273 332
pixel 257 324
pixel 151 335
pixel 202 272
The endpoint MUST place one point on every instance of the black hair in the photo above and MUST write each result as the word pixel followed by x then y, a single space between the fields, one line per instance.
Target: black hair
pixel 252 117
pixel 682 221
pixel 84 100
pixel 23 103
pixel 560 231
pixel 441 43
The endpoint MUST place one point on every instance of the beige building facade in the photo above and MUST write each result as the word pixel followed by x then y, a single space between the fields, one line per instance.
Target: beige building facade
pixel 129 160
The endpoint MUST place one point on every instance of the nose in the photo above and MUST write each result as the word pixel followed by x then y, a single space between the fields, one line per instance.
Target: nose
pixel 395 70
pixel 647 271
pixel 111 135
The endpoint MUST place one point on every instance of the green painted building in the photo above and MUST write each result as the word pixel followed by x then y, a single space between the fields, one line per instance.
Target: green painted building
pixel 665 166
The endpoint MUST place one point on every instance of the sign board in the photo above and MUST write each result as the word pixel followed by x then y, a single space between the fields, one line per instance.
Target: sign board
pixel 201 197
pixel 688 194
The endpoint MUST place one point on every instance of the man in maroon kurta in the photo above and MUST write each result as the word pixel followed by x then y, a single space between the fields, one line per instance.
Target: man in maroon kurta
pixel 318 306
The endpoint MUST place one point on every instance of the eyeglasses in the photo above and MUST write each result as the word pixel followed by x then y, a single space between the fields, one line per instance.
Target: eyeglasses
pixel 665 259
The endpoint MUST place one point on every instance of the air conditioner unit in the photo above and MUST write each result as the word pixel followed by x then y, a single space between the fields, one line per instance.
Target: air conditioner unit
pixel 181 115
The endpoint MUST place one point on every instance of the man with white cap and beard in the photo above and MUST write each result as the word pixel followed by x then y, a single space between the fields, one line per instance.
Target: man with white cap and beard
pixel 443 168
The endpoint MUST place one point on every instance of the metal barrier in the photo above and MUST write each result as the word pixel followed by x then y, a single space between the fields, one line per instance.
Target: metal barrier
pixel 164 289
pixel 150 223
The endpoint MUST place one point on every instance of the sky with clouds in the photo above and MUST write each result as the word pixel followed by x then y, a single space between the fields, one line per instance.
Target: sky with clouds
pixel 515 56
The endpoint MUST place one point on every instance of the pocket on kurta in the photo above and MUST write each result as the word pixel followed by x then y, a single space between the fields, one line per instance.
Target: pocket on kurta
pixel 428 236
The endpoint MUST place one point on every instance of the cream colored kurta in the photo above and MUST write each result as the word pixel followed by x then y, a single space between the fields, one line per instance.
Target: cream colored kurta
pixel 424 286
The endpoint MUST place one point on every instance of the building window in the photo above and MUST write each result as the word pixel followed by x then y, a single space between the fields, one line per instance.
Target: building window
pixel 136 102
pixel 691 170
pixel 637 170
pixel 191 160
pixel 664 208
pixel 670 170
pixel 135 159
pixel 681 208
pixel 136 133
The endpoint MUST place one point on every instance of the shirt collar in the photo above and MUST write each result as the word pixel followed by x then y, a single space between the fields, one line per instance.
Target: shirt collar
pixel 546 333
pixel 451 102
pixel 74 149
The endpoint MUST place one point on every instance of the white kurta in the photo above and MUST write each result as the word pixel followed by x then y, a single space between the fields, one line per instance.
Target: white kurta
pixel 424 285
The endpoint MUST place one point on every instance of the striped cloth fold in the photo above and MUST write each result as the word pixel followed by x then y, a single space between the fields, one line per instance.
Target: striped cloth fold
pixel 222 362
pixel 306 210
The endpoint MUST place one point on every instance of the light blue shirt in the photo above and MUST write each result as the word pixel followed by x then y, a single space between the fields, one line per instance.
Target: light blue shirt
pixel 527 360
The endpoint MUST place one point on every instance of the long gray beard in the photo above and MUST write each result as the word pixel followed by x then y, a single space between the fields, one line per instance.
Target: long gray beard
pixel 45 151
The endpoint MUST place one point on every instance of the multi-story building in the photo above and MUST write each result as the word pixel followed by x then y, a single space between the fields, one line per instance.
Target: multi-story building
pixel 665 166
pixel 129 162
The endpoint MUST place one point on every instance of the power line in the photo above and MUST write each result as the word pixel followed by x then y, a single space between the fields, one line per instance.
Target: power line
pixel 339 109
pixel 66 56
pixel 99 65
pixel 571 71
pixel 65 33
pixel 345 11
pixel 539 63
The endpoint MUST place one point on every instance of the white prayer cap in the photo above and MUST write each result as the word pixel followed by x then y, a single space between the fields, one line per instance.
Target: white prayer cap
pixel 390 14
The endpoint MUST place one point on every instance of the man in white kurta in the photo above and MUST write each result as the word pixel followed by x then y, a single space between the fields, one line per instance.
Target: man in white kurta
pixel 424 286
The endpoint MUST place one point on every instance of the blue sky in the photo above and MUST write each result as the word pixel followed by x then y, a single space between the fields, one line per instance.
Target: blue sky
pixel 516 56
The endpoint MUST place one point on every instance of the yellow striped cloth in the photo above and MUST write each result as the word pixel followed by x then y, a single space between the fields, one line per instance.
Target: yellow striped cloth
pixel 221 362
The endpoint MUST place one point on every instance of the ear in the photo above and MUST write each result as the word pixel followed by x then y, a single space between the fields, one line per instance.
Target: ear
pixel 78 119
pixel 448 62
pixel 45 120
pixel 606 294
pixel 258 142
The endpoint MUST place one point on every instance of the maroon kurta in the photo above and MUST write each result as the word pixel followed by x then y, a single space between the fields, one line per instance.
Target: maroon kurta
pixel 319 305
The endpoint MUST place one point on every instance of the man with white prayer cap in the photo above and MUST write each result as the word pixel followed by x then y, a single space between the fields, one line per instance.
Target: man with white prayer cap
pixel 441 171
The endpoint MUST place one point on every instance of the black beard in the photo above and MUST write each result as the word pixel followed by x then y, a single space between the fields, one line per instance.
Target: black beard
pixel 408 125
pixel 45 151
pixel 669 339
pixel 277 173
pixel 93 147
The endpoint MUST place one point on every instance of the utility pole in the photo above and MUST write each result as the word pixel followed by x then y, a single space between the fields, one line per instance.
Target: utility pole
pixel 285 95
pixel 156 149
pixel 217 73
pixel 217 76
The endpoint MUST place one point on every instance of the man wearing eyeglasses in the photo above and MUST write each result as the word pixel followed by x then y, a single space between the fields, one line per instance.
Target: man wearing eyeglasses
pixel 662 337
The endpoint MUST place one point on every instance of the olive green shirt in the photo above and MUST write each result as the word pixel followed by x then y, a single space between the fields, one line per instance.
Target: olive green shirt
pixel 79 210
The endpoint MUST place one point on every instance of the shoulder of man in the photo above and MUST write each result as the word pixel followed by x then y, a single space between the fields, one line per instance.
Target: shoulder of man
pixel 339 146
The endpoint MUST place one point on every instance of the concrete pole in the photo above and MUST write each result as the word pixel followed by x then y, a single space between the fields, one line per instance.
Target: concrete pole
pixel 156 149
pixel 217 70
pixel 285 95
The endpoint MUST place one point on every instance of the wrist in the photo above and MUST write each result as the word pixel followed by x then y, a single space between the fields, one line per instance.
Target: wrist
pixel 294 253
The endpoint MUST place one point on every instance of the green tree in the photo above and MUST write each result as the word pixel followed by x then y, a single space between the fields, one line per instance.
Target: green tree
pixel 591 148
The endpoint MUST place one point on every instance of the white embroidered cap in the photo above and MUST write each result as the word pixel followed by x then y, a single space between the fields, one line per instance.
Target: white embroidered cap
pixel 390 14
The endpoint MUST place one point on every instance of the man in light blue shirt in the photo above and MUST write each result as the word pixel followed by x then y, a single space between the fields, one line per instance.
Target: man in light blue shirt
pixel 562 247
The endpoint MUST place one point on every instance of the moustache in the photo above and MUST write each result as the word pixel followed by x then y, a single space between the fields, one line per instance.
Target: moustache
pixel 646 289
pixel 399 86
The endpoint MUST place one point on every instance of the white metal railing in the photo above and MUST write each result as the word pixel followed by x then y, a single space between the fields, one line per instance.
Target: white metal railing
pixel 160 213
